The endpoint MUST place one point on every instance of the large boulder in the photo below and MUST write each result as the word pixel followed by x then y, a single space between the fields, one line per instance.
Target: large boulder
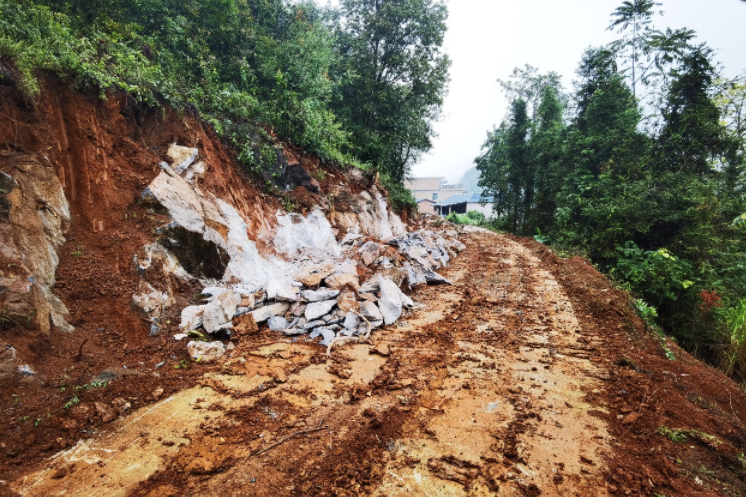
pixel 34 217
pixel 199 256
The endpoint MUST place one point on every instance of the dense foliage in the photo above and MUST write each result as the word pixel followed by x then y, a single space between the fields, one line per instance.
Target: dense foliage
pixel 362 83
pixel 641 168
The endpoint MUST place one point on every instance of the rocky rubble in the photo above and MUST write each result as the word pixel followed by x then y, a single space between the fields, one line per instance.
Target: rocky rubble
pixel 310 284
pixel 328 301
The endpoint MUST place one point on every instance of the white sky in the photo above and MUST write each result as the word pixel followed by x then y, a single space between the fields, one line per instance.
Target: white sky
pixel 488 38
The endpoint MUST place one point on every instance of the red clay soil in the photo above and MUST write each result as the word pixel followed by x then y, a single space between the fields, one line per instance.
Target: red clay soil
pixel 675 422
pixel 105 153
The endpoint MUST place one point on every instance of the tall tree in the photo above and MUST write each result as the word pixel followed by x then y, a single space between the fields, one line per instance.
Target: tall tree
pixel 637 16
pixel 505 169
pixel 646 52
pixel 393 78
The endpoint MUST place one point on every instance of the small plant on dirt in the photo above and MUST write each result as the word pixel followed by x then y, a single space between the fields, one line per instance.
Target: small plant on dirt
pixel 16 401
pixel 5 318
pixel 183 364
pixel 197 336
pixel 648 313
pixel 318 174
pixel 79 252
pixel 73 402
pixel 288 205
pixel 676 436
pixel 627 363
pixel 681 436
pixel 94 384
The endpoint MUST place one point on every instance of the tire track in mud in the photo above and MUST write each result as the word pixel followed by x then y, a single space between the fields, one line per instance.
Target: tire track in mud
pixel 481 391
pixel 512 419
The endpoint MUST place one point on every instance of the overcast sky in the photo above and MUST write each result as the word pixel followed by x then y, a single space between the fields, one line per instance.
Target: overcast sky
pixel 487 38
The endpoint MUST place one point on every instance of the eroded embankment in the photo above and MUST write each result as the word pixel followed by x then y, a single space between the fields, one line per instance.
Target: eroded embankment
pixel 115 219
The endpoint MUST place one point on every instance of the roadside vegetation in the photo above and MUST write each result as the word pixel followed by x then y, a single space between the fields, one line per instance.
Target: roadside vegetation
pixel 641 167
pixel 359 84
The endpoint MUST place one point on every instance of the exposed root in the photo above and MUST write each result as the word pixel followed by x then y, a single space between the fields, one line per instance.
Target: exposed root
pixel 348 339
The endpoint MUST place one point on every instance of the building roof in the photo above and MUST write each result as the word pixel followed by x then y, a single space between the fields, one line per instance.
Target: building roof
pixel 425 200
pixel 466 198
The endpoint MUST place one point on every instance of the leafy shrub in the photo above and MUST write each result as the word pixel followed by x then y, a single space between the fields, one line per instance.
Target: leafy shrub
pixel 734 338
pixel 656 276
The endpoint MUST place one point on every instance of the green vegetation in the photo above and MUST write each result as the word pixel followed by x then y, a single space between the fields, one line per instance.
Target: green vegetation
pixel 642 167
pixel 474 218
pixel 360 84
pixel 682 436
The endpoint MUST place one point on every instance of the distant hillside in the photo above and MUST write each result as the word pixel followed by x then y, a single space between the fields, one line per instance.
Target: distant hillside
pixel 470 180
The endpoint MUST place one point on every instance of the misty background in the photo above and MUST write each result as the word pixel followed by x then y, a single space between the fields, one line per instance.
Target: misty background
pixel 486 40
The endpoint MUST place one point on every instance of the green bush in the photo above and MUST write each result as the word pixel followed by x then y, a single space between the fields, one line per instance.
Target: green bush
pixel 474 218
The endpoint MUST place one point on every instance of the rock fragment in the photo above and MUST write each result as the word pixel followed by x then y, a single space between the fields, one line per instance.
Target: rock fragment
pixel 192 317
pixel 381 349
pixel 347 302
pixel 280 291
pixel 312 276
pixel 352 322
pixel 314 324
pixel 181 157
pixel 344 274
pixel 370 311
pixel 264 313
pixel 316 310
pixel 391 302
pixel 206 352
pixel 369 253
pixel 277 323
pixel 220 311
pixel 319 295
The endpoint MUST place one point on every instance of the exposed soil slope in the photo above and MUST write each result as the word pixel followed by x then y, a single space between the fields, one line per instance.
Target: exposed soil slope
pixel 103 154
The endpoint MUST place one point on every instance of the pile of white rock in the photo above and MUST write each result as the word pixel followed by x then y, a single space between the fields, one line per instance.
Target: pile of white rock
pixel 328 300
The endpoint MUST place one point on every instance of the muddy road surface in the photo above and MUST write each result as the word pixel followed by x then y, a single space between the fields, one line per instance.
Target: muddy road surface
pixel 491 386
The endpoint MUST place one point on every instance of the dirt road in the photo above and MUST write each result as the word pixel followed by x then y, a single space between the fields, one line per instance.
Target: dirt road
pixel 485 389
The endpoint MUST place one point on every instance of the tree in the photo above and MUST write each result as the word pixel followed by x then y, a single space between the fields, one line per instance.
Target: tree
pixel 528 84
pixel 646 52
pixel 731 101
pixel 519 156
pixel 637 15
pixel 393 79
pixel 693 139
